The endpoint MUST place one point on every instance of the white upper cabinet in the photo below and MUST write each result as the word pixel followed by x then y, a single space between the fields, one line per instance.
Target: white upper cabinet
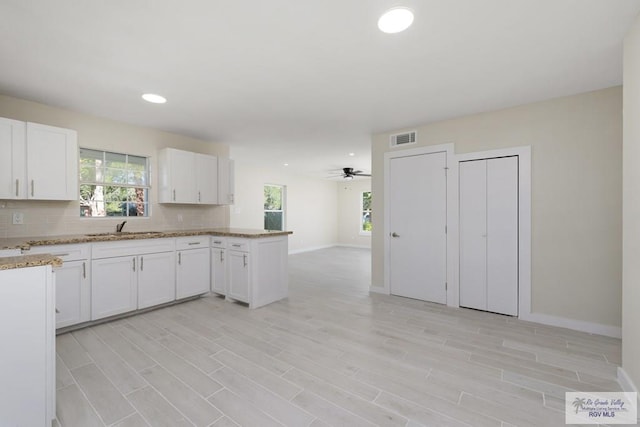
pixel 52 163
pixel 206 179
pixel 187 177
pixel 226 182
pixel 12 159
pixel 37 161
pixel 177 176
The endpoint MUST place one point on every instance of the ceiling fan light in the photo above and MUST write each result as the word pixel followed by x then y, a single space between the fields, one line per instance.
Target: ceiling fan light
pixel 395 20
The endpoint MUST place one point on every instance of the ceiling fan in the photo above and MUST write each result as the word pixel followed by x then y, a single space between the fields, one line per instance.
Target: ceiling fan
pixel 349 173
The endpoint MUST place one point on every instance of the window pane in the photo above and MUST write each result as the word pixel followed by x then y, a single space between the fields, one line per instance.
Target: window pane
pixel 91 156
pixel 116 176
pixel 273 220
pixel 366 201
pixel 366 221
pixel 122 172
pixel 272 198
pixel 137 173
pixel 115 160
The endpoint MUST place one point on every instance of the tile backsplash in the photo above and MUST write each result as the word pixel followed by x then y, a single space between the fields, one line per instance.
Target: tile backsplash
pixel 49 218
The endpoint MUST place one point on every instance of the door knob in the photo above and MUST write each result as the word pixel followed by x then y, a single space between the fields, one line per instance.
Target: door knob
pixel 394 234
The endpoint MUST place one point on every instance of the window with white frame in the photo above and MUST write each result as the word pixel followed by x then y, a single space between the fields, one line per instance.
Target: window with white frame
pixel 113 184
pixel 365 211
pixel 274 202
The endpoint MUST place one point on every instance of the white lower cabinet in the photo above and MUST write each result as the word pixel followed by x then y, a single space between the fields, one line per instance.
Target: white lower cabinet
pixel 193 266
pixel 128 275
pixel 73 282
pixel 156 279
pixel 27 328
pixel 238 275
pixel 113 282
pixel 218 265
pixel 257 270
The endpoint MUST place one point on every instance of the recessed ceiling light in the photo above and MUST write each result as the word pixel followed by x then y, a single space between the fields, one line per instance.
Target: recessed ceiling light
pixel 395 20
pixel 286 164
pixel 352 154
pixel 153 98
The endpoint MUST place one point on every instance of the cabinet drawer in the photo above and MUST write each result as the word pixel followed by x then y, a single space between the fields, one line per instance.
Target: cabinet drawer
pixel 64 252
pixel 218 242
pixel 132 247
pixel 193 242
pixel 239 245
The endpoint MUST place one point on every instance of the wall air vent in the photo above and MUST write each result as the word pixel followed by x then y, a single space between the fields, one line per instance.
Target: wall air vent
pixel 403 139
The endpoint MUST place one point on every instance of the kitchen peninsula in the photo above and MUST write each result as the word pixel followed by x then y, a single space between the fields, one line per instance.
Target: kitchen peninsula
pixel 107 275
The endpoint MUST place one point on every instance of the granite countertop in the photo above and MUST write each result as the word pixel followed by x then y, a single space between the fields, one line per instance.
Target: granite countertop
pixel 23 261
pixel 25 243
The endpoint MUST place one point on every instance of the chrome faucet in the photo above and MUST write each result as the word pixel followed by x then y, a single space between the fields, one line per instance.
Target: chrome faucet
pixel 119 227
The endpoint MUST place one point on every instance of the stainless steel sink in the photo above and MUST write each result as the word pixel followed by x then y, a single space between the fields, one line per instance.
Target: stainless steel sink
pixel 125 233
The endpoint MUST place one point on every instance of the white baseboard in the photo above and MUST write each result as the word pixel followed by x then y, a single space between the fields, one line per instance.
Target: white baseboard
pixel 378 290
pixel 577 325
pixel 310 249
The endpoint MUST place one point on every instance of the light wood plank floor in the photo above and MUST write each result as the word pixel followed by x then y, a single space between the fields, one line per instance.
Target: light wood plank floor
pixel 332 354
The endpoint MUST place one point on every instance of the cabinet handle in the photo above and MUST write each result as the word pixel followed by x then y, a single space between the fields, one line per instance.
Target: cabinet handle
pixel 174 194
pixel 141 263
pixel 134 264
pixel 179 258
pixel 84 270
pixel 221 256
pixel 235 245
pixel 198 196
pixel 17 187
pixel 217 242
pixel 57 311
pixel 193 243
pixel 32 187
pixel 244 259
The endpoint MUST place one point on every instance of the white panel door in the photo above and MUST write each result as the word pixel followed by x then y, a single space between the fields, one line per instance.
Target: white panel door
pixel 156 279
pixel 473 234
pixel 489 235
pixel 417 220
pixel 502 232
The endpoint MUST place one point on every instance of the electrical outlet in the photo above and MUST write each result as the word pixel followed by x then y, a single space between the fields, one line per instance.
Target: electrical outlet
pixel 18 218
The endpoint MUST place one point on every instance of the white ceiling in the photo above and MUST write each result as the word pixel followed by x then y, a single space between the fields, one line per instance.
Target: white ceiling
pixel 305 81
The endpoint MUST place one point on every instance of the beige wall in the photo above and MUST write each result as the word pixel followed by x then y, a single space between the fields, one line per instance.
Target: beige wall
pixel 349 214
pixel 576 196
pixel 53 218
pixel 311 207
pixel 631 207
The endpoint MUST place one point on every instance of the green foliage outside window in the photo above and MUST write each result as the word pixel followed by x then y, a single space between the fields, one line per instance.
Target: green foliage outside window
pixel 366 212
pixel 273 207
pixel 113 184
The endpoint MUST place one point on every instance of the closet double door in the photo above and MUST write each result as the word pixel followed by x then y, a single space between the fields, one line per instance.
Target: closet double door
pixel 489 234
